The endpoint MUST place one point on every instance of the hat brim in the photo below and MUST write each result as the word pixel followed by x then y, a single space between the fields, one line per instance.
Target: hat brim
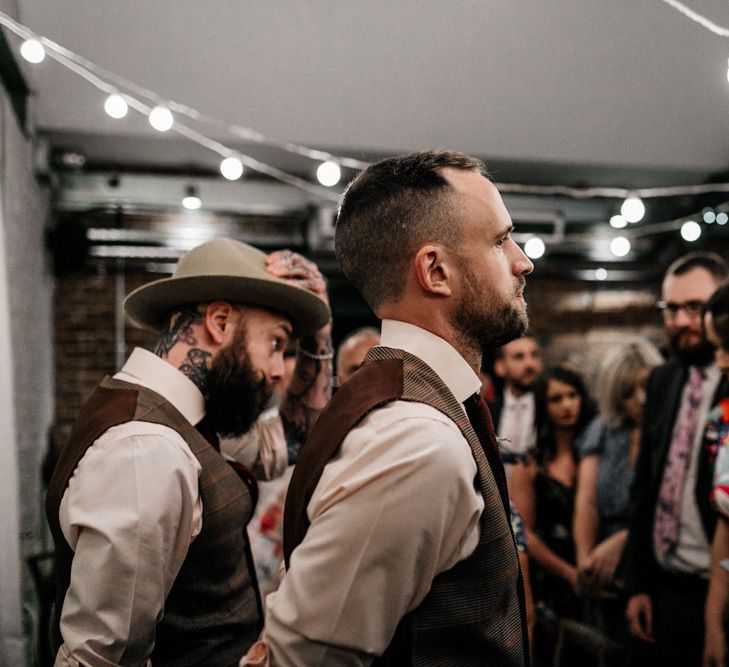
pixel 149 306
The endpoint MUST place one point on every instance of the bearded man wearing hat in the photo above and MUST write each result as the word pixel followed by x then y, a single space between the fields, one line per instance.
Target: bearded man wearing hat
pixel 149 520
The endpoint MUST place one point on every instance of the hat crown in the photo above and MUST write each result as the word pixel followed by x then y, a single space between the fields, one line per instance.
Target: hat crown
pixel 223 257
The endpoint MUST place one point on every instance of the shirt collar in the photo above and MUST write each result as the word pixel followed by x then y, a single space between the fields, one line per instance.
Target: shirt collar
pixel 150 371
pixel 440 355
pixel 511 401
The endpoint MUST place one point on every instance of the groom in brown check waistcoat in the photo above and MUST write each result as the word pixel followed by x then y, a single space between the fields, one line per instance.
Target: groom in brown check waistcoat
pixel 397 537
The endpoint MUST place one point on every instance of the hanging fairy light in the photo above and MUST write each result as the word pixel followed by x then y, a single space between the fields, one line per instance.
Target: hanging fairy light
pixel 601 274
pixel 328 173
pixel 618 222
pixel 534 247
pixel 721 218
pixel 116 106
pixel 32 50
pixel 232 168
pixel 620 246
pixel 161 119
pixel 690 230
pixel 633 209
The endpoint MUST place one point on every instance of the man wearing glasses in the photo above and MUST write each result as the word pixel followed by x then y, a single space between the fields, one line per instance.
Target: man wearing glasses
pixel 672 522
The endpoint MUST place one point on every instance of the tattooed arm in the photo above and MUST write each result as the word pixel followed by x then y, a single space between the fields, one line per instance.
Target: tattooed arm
pixel 311 384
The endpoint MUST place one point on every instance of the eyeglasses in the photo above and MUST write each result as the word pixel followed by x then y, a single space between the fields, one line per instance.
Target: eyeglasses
pixel 692 308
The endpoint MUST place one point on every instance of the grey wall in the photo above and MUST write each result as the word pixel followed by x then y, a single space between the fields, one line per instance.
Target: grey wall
pixel 26 381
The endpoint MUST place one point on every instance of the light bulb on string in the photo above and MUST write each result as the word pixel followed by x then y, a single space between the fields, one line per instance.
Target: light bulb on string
pixel 620 246
pixel 232 168
pixel 328 173
pixel 161 119
pixel 534 247
pixel 601 274
pixel 708 215
pixel 32 50
pixel 116 106
pixel 191 201
pixel 618 222
pixel 633 209
pixel 690 230
pixel 722 218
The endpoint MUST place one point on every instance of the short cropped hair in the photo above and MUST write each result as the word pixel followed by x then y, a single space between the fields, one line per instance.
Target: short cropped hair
pixel 617 374
pixel 709 261
pixel 389 211
pixel 718 306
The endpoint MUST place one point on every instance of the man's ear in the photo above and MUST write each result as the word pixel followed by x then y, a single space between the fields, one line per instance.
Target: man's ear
pixel 216 320
pixel 433 270
pixel 499 368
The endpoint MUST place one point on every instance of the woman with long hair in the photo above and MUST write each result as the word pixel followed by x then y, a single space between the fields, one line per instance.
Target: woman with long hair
pixel 543 489
pixel 608 449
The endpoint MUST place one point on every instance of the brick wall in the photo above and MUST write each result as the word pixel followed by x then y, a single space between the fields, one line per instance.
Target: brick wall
pixel 85 339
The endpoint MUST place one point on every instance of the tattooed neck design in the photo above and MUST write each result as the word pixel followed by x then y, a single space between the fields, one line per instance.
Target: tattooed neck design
pixel 178 329
pixel 195 367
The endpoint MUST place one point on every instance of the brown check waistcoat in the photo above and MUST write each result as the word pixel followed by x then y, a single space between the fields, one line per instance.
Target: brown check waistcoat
pixel 212 614
pixel 474 613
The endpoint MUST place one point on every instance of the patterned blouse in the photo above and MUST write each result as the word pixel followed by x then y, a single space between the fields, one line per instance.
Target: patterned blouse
pixel 716 440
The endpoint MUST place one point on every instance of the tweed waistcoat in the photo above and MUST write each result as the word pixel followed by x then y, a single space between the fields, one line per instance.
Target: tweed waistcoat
pixel 212 614
pixel 474 613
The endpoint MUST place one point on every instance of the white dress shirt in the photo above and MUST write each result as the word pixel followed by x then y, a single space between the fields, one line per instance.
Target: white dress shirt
pixel 130 512
pixel 396 507
pixel 516 423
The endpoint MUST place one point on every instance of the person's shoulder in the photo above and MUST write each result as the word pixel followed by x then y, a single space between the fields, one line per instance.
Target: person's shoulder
pixel 591 440
pixel 408 428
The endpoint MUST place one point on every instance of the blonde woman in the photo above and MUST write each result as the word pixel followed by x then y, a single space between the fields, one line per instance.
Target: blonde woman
pixel 608 449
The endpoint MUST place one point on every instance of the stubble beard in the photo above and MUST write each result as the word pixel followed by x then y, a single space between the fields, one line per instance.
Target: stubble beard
pixel 485 320
pixel 236 393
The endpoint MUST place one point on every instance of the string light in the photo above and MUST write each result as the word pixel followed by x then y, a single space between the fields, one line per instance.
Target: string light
pixel 601 274
pixel 231 168
pixel 708 215
pixel 32 50
pixel 116 106
pixel 618 222
pixel 620 246
pixel 191 201
pixel 110 83
pixel 534 247
pixel 633 209
pixel 161 119
pixel 721 218
pixel 690 230
pixel 328 173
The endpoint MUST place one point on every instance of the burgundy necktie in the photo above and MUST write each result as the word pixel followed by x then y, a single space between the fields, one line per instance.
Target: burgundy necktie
pixel 480 417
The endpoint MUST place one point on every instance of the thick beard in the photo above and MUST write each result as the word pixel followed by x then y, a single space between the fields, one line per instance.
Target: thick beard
pixel 485 320
pixel 701 354
pixel 236 396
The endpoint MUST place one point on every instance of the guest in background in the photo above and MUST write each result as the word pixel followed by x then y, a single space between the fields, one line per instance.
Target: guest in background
pixel 671 522
pixel 608 450
pixel 351 352
pixel 716 440
pixel 543 491
pixel 266 527
pixel 518 364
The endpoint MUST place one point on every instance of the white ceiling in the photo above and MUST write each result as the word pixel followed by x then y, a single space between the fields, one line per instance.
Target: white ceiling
pixel 629 89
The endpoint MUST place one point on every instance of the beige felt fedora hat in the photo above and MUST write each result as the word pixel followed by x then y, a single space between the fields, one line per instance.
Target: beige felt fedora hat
pixel 230 271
